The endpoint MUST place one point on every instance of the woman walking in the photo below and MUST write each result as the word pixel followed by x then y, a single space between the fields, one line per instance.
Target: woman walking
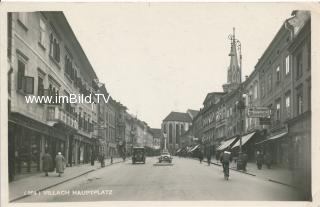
pixel 59 164
pixel 47 163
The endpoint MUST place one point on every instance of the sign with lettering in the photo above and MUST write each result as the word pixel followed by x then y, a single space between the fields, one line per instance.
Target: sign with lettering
pixel 258 112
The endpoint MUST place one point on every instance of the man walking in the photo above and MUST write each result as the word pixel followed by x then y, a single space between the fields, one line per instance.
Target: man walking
pixel 59 164
pixel 209 157
pixel 200 156
pixel 47 163
pixel 259 160
pixel 225 160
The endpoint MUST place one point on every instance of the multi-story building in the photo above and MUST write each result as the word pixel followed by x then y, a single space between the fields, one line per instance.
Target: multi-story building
pixel 252 99
pixel 111 111
pixel 120 128
pixel 45 59
pixel 130 132
pixel 276 79
pixel 299 126
pixel 173 126
pixel 208 124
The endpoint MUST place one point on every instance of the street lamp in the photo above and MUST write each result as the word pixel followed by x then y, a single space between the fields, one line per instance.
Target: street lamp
pixel 241 104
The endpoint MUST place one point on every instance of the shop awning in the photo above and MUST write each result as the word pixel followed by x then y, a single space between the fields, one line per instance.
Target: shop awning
pixel 194 148
pixel 273 137
pixel 226 144
pixel 244 140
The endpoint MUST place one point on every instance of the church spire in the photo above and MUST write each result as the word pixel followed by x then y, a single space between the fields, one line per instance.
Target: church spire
pixel 233 69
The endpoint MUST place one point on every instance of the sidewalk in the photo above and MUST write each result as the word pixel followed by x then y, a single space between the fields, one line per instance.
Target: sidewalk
pixel 275 174
pixel 38 182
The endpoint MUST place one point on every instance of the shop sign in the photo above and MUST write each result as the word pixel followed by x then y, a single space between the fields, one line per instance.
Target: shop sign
pixel 258 112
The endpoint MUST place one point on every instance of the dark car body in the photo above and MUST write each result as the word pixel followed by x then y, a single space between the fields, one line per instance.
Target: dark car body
pixel 138 155
pixel 165 157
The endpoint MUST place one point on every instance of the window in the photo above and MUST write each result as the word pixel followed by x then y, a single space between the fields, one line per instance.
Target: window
pixel 278 73
pixel 40 86
pixel 23 18
pixel 287 65
pixel 287 104
pixel 309 95
pixel 21 72
pixel 309 55
pixel 42 33
pixel 54 48
pixel 262 88
pixel 269 82
pixel 68 69
pixel 299 65
pixel 255 91
pixel 25 83
pixel 299 100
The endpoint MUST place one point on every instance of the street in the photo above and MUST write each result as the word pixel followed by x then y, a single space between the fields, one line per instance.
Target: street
pixel 186 179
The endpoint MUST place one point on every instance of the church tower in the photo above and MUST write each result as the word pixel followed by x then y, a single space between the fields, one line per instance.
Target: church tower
pixel 234 70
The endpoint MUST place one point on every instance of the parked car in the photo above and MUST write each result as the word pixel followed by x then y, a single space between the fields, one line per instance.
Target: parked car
pixel 165 157
pixel 138 155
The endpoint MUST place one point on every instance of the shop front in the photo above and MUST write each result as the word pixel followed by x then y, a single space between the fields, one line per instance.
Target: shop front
pixel 27 142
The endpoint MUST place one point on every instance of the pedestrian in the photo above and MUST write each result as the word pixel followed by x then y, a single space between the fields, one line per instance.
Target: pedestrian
pixel 209 157
pixel 200 156
pixel 111 159
pixel 225 159
pixel 60 161
pixel 268 160
pixel 259 160
pixel 245 161
pixel 92 158
pixel 47 163
pixel 102 159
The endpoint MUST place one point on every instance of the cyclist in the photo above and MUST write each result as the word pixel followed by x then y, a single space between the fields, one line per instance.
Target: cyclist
pixel 225 160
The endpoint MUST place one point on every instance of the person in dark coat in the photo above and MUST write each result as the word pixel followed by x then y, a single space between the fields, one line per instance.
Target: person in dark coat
pixel 200 156
pixel 60 161
pixel 259 160
pixel 47 163
pixel 92 158
pixel 268 160
pixel 209 157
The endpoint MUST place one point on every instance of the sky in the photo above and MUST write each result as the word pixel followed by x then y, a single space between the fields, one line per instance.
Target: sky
pixel 160 57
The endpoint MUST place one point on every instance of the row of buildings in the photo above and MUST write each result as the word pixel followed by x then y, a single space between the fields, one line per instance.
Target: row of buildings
pixel 46 59
pixel 270 110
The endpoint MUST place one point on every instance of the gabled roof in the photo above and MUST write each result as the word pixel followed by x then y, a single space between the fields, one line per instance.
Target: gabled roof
pixel 156 132
pixel 178 116
pixel 193 112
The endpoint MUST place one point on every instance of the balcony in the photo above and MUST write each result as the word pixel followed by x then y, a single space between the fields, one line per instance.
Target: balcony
pixel 56 114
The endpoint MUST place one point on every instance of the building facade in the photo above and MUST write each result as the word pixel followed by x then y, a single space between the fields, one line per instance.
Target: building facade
pixel 299 127
pixel 173 126
pixel 43 62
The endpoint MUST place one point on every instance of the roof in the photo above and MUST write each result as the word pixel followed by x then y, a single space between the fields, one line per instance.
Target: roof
pixel 193 112
pixel 156 132
pixel 178 116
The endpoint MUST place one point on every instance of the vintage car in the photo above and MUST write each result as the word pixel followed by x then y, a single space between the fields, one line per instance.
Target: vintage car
pixel 138 155
pixel 165 157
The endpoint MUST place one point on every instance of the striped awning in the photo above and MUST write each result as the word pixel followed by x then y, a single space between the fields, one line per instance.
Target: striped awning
pixel 277 136
pixel 194 148
pixel 244 140
pixel 226 144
